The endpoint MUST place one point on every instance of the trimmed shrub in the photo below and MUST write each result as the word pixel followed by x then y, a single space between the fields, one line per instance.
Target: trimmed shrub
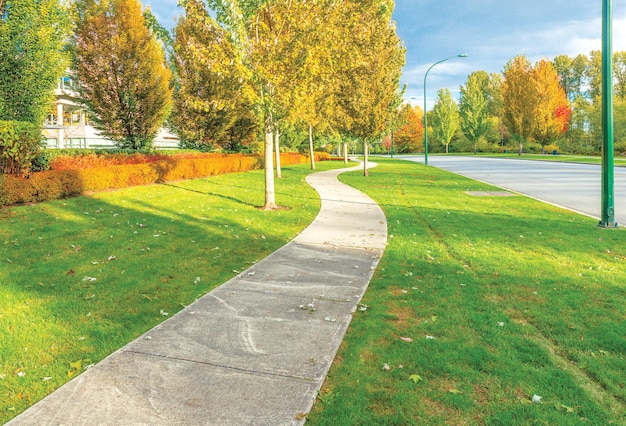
pixel 42 186
pixel 97 172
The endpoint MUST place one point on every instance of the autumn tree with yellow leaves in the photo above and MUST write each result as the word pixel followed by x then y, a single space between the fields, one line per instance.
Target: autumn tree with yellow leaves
pixel 364 55
pixel 214 103
pixel 371 66
pixel 552 110
pixel 519 97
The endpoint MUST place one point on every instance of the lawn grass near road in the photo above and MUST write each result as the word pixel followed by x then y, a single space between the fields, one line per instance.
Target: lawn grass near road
pixel 80 278
pixel 478 305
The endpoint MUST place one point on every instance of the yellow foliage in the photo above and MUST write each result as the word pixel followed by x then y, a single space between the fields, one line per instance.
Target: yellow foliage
pixel 55 184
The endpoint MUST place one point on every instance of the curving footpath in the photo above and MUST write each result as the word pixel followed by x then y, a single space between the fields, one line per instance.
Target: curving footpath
pixel 254 351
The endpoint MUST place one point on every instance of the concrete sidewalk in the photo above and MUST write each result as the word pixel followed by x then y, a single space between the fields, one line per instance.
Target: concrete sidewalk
pixel 254 351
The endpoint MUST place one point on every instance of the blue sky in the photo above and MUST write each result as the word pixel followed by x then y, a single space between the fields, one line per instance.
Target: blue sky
pixel 491 32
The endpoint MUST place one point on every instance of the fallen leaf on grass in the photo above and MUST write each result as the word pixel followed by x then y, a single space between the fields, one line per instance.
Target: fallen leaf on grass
pixel 89 279
pixel 79 365
pixel 566 408
pixel 536 399
pixel 406 339
pixel 415 378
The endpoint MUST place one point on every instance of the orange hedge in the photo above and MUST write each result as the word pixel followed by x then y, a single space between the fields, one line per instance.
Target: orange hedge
pixel 96 174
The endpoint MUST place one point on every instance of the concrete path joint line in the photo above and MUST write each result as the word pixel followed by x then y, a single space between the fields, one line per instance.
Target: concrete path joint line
pixel 252 372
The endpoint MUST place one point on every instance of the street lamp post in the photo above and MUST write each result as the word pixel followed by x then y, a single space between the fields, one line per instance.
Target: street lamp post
pixel 462 55
pixel 608 202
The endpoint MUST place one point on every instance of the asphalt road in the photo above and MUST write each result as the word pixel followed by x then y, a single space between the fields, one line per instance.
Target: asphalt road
pixel 574 186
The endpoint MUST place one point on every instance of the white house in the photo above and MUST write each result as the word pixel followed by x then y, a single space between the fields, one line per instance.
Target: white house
pixel 68 126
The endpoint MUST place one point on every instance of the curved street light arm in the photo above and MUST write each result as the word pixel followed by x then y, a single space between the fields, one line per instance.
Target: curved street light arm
pixel 462 55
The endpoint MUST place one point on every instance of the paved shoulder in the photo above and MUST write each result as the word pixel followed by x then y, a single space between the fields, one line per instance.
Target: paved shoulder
pixel 254 351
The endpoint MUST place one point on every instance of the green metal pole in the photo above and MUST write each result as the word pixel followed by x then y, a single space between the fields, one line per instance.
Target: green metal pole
pixel 462 55
pixel 608 168
pixel 426 119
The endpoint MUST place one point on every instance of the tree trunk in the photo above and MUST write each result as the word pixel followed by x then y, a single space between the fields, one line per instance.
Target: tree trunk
pixel 339 145
pixel 521 148
pixel 311 152
pixel 365 155
pixel 345 152
pixel 277 150
pixel 447 145
pixel 270 194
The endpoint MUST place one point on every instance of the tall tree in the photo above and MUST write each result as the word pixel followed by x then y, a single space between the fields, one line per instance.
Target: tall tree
pixel 519 96
pixel 593 76
pixel 32 57
pixel 571 72
pixel 445 117
pixel 473 107
pixel 215 95
pixel 123 72
pixel 552 110
pixel 493 95
pixel 258 34
pixel 371 67
pixel 619 73
pixel 572 77
pixel 307 93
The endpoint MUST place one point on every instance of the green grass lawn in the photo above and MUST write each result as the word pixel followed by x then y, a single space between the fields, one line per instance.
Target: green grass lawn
pixel 84 276
pixel 478 305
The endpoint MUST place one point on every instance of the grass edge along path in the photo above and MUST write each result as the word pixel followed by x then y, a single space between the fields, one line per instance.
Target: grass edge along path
pixel 483 310
pixel 82 277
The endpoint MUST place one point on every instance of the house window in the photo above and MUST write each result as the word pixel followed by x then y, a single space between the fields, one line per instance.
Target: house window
pixel 66 83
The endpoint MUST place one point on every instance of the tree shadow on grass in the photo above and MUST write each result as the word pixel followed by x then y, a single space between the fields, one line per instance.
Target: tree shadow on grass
pixel 214 194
